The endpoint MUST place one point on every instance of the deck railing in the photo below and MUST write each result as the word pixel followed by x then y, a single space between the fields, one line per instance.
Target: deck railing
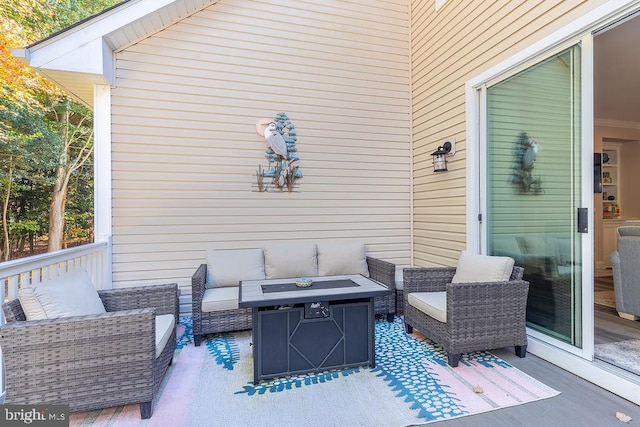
pixel 94 258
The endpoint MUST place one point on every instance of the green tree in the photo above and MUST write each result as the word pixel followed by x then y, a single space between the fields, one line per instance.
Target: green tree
pixel 46 139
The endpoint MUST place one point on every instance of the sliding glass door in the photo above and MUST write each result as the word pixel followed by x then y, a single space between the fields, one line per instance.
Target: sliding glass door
pixel 532 174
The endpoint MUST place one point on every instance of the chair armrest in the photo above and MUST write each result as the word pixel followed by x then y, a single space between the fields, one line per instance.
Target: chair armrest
pixel 430 279
pixel 472 305
pixel 164 298
pixel 45 358
pixel 382 271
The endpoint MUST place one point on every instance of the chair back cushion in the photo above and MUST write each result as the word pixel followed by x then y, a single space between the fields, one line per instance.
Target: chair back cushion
pixel 227 267
pixel 474 268
pixel 291 260
pixel 70 294
pixel 342 257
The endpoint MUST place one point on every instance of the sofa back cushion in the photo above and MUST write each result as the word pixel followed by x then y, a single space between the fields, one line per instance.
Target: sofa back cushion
pixel 291 260
pixel 482 268
pixel 70 294
pixel 341 257
pixel 227 267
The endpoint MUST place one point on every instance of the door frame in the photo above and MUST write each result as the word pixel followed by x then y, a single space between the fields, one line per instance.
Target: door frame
pixel 579 361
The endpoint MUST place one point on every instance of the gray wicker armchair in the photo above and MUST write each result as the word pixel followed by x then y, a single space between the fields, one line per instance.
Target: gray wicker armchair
pixel 240 319
pixel 479 316
pixel 93 361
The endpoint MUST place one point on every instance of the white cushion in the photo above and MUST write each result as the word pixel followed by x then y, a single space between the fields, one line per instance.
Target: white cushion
pixel 482 268
pixel 70 294
pixel 219 299
pixel 290 260
pixel 164 327
pixel 400 278
pixel 227 267
pixel 341 257
pixel 433 304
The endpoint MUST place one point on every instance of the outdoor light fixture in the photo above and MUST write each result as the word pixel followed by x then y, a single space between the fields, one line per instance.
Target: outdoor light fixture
pixel 440 157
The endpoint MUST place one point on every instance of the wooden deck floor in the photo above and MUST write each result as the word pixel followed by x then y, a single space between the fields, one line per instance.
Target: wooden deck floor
pixel 580 402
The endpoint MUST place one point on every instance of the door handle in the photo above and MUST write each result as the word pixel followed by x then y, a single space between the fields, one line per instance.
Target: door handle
pixel 583 220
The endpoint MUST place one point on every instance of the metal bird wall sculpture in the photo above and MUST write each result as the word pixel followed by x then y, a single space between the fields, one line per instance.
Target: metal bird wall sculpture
pixel 284 164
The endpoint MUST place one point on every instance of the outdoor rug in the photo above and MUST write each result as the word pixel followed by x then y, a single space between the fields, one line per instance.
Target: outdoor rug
pixel 623 354
pixel 211 385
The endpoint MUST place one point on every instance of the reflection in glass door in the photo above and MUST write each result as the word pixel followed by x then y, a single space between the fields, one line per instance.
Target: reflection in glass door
pixel 533 187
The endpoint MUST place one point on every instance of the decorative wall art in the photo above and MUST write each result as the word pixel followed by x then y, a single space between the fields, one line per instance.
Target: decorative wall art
pixel 526 151
pixel 283 169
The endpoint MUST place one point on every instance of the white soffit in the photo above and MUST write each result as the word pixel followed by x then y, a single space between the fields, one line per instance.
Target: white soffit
pixel 83 54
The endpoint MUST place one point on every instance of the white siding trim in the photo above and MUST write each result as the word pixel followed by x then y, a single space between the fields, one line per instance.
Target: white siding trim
pixel 102 162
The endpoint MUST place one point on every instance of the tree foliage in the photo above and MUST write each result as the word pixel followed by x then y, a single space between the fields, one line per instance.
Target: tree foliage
pixel 46 139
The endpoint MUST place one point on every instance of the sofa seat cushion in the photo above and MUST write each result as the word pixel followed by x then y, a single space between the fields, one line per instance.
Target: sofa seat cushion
pixel 227 267
pixel 220 299
pixel 165 323
pixel 341 257
pixel 433 304
pixel 70 294
pixel 473 268
pixel 290 260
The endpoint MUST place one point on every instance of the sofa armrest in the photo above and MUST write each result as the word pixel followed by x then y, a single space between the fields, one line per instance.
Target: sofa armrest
pixel 198 281
pixel 382 271
pixel 473 306
pixel 45 358
pixel 163 298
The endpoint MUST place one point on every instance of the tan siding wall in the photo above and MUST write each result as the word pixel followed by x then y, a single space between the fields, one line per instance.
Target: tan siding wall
pixel 185 150
pixel 449 47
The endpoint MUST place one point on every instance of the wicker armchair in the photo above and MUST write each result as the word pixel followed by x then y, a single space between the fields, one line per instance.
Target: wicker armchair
pixel 93 361
pixel 240 319
pixel 479 316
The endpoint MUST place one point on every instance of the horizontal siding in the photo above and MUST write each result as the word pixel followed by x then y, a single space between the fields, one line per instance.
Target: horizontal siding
pixel 449 47
pixel 185 151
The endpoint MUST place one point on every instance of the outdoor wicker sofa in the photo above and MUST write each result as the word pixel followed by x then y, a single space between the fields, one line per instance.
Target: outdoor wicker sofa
pixel 92 361
pixel 232 318
pixel 479 316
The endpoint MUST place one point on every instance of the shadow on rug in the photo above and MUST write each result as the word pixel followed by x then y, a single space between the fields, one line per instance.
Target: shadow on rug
pixel 411 384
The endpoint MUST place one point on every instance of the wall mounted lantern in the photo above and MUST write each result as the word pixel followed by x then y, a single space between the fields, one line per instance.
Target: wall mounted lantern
pixel 440 157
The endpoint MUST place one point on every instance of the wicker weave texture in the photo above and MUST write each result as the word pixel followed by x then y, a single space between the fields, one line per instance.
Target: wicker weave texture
pixel 240 319
pixel 383 272
pixel 213 322
pixel 480 316
pixel 88 362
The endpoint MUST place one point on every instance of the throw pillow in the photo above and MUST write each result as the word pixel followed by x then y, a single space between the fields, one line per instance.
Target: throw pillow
pixel 482 268
pixel 291 260
pixel 227 267
pixel 70 294
pixel 342 257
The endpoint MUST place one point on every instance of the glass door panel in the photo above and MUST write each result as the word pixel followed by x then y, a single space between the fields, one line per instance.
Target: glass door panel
pixel 533 186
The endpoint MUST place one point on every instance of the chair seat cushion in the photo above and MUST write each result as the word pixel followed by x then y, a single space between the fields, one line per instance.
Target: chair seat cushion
pixel 70 294
pixel 433 304
pixel 219 299
pixel 164 327
pixel 474 268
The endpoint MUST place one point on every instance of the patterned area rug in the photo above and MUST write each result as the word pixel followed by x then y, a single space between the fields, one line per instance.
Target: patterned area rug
pixel 411 384
pixel 623 354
